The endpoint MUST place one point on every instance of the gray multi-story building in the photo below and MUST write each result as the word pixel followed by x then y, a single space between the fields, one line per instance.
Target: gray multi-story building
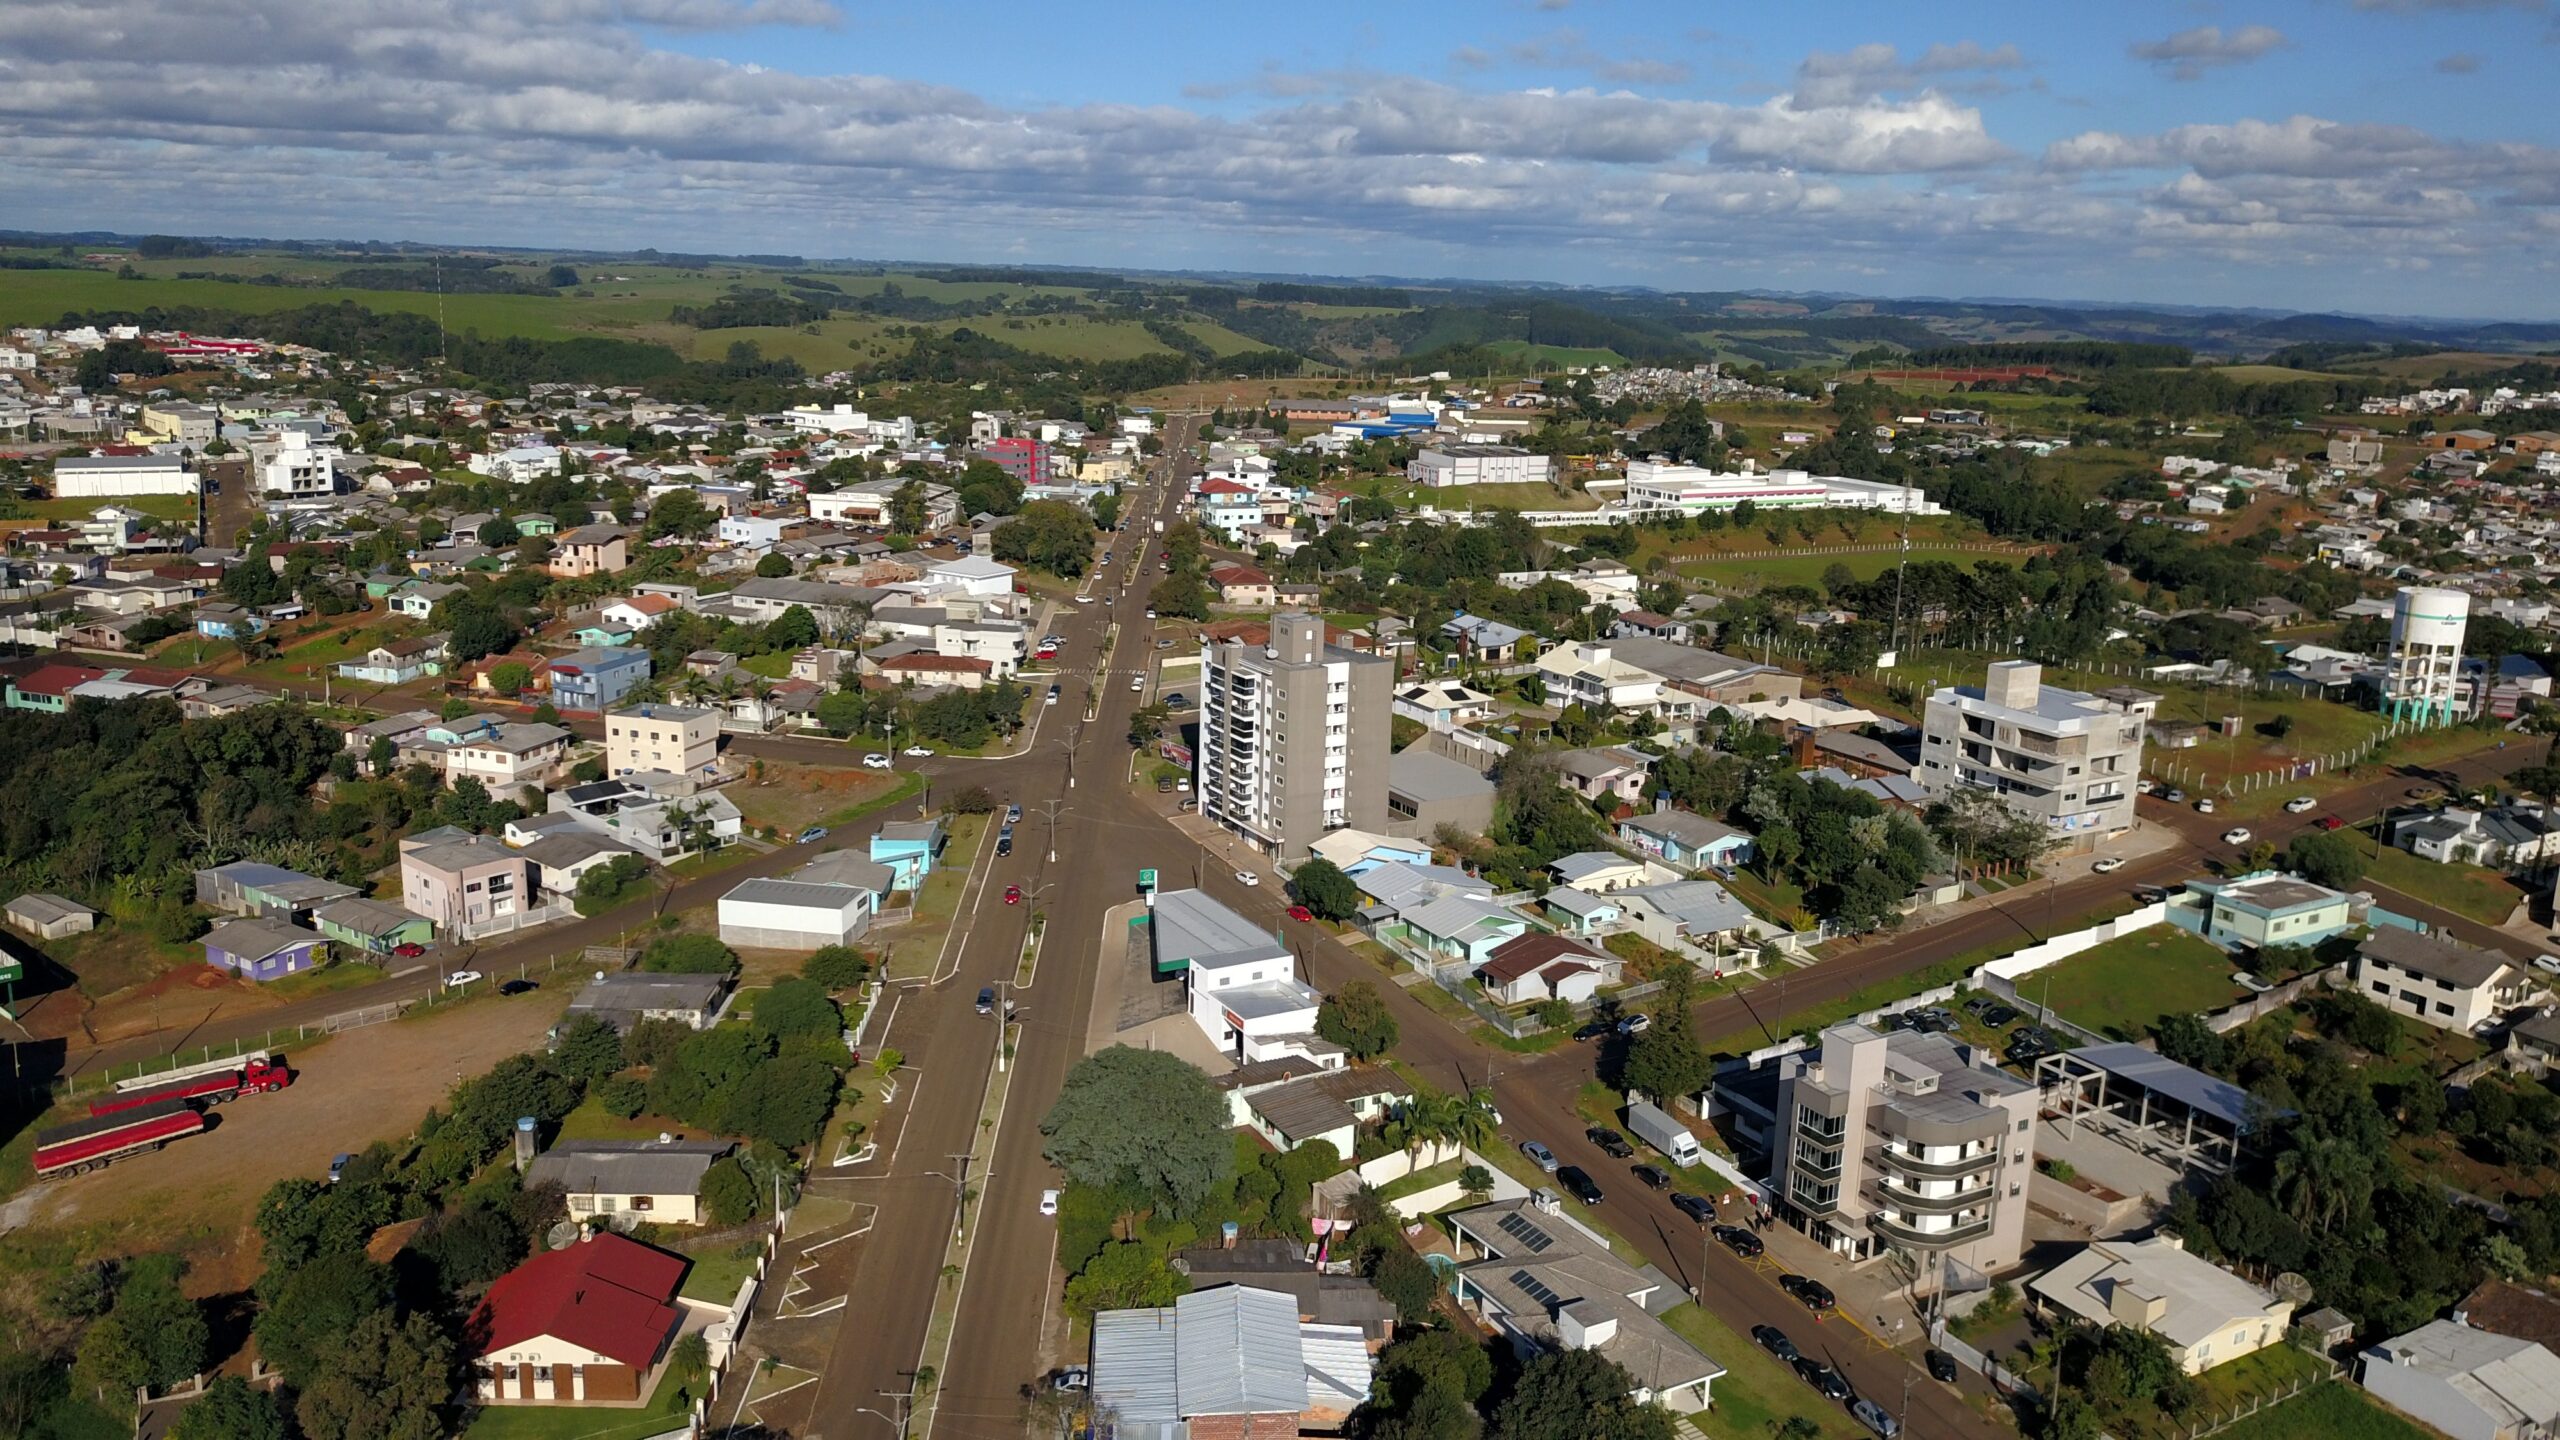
pixel 1905 1141
pixel 2068 756
pixel 1294 737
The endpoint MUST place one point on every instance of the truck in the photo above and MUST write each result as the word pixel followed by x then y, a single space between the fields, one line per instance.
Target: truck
pixel 1665 1134
pixel 262 1074
pixel 104 1139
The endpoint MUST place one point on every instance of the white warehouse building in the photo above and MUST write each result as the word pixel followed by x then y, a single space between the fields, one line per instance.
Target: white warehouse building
pixel 98 477
pixel 1659 485
pixel 1442 466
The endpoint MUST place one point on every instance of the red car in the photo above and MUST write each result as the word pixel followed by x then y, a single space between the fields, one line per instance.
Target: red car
pixel 1301 913
pixel 1013 894
pixel 410 951
pixel 2329 822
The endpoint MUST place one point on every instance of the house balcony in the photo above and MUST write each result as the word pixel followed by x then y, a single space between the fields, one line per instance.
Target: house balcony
pixel 1962 1233
pixel 1899 1198
pixel 1910 1166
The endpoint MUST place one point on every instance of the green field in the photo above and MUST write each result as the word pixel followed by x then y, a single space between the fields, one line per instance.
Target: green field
pixel 2124 986
pixel 1755 572
pixel 1529 353
pixel 2335 1411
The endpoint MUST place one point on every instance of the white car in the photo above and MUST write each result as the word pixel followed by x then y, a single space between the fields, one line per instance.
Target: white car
pixel 1048 1202
pixel 2298 804
pixel 2236 835
pixel 1085 599
pixel 460 978
pixel 877 761
pixel 1247 877
pixel 2547 964
pixel 2107 866
pixel 2204 806
pixel 916 750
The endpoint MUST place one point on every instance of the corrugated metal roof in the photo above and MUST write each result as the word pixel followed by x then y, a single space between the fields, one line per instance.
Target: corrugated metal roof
pixel 1134 1366
pixel 1238 1352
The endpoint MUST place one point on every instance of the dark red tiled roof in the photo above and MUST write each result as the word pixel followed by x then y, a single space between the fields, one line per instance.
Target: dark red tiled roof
pixel 1523 954
pixel 606 1294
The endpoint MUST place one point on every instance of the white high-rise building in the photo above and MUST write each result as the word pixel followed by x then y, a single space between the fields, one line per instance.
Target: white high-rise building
pixel 1294 737
pixel 2422 679
pixel 2068 757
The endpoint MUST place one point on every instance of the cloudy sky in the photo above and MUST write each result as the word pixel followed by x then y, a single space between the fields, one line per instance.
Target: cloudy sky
pixel 2384 156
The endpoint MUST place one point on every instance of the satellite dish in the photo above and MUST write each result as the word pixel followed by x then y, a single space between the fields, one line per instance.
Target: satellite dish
pixel 2289 1286
pixel 623 1222
pixel 562 1235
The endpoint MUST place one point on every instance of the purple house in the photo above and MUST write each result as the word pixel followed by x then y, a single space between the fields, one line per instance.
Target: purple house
pixel 260 949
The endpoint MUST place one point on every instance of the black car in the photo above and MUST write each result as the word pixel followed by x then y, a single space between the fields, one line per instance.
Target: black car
pixel 1942 1366
pixel 1932 1021
pixel 1740 1241
pixel 519 987
pixel 1594 1030
pixel 1575 1179
pixel 1822 1378
pixel 1813 1294
pixel 1774 1340
pixel 1998 1015
pixel 986 999
pixel 1654 1177
pixel 1696 1207
pixel 1979 1003
pixel 1611 1143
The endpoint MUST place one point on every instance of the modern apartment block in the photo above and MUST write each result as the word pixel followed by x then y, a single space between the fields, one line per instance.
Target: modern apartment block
pixel 1907 1141
pixel 1294 737
pixel 677 739
pixel 2068 756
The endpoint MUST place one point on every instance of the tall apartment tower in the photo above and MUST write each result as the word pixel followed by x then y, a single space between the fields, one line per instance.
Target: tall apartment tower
pixel 1904 1140
pixel 2068 757
pixel 2422 680
pixel 1294 737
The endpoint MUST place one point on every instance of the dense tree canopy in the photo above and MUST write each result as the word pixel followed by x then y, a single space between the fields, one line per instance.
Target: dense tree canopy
pixel 1141 1119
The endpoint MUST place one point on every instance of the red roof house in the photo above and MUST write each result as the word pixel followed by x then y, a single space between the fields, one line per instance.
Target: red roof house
pixel 590 1321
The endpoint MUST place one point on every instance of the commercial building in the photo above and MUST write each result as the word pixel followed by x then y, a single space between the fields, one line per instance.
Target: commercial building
pixel 2067 757
pixel 1446 465
pixel 94 477
pixel 674 739
pixel 2470 1384
pixel 1904 1140
pixel 1657 485
pixel 1294 737
pixel 1228 1363
pixel 291 468
pixel 1241 982
pixel 2422 673
pixel 829 901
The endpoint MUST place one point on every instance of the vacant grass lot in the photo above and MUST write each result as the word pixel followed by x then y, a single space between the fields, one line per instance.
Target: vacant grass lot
pixel 2471 891
pixel 2335 1411
pixel 1761 572
pixel 2122 987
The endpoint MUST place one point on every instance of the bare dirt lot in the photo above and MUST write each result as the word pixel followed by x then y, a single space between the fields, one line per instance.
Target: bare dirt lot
pixel 362 1086
pixel 793 796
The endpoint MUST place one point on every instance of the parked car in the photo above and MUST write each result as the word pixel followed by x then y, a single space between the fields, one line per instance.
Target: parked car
pixel 2143 787
pixel 1301 914
pixel 2108 866
pixel 1611 1143
pixel 1535 1150
pixel 1635 1024
pixel 1073 1377
pixel 1929 1020
pixel 519 987
pixel 986 999
pixel 2250 983
pixel 1875 1417
pixel 1177 701
pixel 1246 877
pixel 1826 1381
pixel 1048 1202
pixel 2330 822
pixel 1740 1241
pixel 1941 1365
pixel 917 750
pixel 1812 1294
pixel 1653 1176
pixel 460 978
pixel 1052 697
pixel 813 834
pixel 338 1166
pixel 2236 835
pixel 1998 1015
pixel 2299 804
pixel 1775 1341
pixel 409 951
pixel 1593 1029
pixel 1004 844
pixel 1696 1207
pixel 1164 784
pixel 1013 894
pixel 2547 964
pixel 1013 814
pixel 2204 805
pixel 1579 1181
pixel 877 762
pixel 1980 1003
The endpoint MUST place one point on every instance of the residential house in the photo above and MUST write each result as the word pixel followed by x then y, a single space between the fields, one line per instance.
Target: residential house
pixel 1477 638
pixel 1575 911
pixel 250 888
pixel 47 916
pixel 2449 985
pixel 595 680
pixel 222 620
pixel 590 550
pixel 623 999
pixel 2265 907
pixel 1464 928
pixel 504 755
pixel 1686 839
pixel 638 612
pixel 2468 1384
pixel 1589 675
pixel 1243 585
pixel 662 817
pixel 1357 852
pixel 418 598
pixel 2066 757
pixel 1233 1361
pixel 1442 704
pixel 674 739
pixel 587 1322
pixel 957 672
pixel 1600 871
pixel 1612 773
pixel 658 1180
pixel 2206 1315
pixel 972 575
pixel 371 927
pixel 1536 967
pixel 1426 791
pixel 830 901
pixel 2501 837
pixel 1544 1282
pixel 466 886
pixel 911 849
pixel 563 857
pixel 1295 1101
pixel 1696 917
pixel 263 949
pixel 397 662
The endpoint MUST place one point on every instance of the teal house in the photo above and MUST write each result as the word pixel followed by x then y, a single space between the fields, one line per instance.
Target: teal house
pixel 910 848
pixel 1462 927
pixel 371 927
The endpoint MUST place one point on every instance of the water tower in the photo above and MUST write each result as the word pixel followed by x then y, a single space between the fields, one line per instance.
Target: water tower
pixel 2422 678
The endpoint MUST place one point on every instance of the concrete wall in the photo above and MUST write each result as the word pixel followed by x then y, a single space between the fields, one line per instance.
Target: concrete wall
pixel 2063 947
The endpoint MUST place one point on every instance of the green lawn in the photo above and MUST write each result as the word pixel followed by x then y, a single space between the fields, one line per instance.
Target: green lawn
pixel 2122 987
pixel 1757 1393
pixel 576 1422
pixel 2471 891
pixel 181 508
pixel 1423 1179
pixel 718 1270
pixel 1782 901
pixel 343 975
pixel 2336 1411
pixel 1764 571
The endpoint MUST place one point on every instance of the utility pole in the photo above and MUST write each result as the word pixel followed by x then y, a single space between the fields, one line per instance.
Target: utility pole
pixel 1052 807
pixel 902 1399
pixel 960 1190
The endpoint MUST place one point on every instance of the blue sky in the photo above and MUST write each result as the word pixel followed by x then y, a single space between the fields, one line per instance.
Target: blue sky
pixel 2383 156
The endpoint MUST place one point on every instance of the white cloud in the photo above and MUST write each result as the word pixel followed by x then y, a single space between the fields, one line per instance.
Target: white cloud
pixel 2188 54
pixel 1568 50
pixel 1840 77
